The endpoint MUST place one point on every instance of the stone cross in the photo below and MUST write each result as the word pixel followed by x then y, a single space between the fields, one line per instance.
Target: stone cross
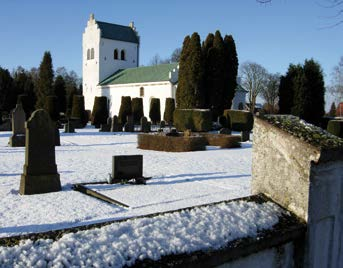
pixel 40 170
pixel 18 127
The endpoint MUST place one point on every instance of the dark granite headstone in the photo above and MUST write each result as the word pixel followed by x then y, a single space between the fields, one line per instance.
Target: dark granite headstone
pixel 40 170
pixel 245 135
pixel 126 167
pixel 106 127
pixel 18 127
pixel 129 126
pixel 116 126
pixel 145 125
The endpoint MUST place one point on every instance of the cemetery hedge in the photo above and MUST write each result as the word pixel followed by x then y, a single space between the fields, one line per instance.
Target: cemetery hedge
pixel 137 109
pixel 155 110
pixel 223 140
pixel 161 142
pixel 78 110
pixel 335 127
pixel 169 110
pixel 199 120
pixel 100 111
pixel 239 120
pixel 125 109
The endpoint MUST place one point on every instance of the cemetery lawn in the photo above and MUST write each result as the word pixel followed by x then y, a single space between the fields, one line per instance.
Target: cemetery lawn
pixel 179 180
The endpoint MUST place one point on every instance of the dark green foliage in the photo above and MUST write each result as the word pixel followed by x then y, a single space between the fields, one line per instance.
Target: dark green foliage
pixel 137 109
pixel 230 71
pixel 240 120
pixel 190 92
pixel 193 119
pixel 78 110
pixel 155 110
pixel 45 80
pixel 71 91
pixel 165 143
pixel 332 111
pixel 125 109
pixel 335 127
pixel 23 99
pixel 61 94
pixel 223 140
pixel 223 121
pixel 100 111
pixel 51 107
pixel 325 121
pixel 7 100
pixel 308 101
pixel 169 111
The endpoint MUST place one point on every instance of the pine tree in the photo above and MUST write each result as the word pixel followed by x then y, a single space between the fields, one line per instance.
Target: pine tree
pixel 230 70
pixel 7 102
pixel 60 92
pixel 45 80
pixel 332 111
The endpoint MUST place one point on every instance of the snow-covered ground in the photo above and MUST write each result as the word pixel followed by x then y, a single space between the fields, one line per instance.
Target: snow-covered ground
pixel 178 180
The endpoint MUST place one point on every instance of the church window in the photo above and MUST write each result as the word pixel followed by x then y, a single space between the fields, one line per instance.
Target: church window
pixel 92 53
pixel 88 54
pixel 115 54
pixel 122 55
pixel 141 92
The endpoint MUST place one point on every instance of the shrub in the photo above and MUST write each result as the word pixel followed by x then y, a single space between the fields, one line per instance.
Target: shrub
pixel 125 109
pixel 223 140
pixel 100 111
pixel 155 110
pixel 335 127
pixel 161 142
pixel 325 121
pixel 239 120
pixel 52 107
pixel 169 110
pixel 78 111
pixel 193 119
pixel 137 109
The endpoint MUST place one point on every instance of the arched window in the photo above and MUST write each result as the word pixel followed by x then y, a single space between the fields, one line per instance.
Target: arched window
pixel 141 92
pixel 122 55
pixel 92 53
pixel 115 54
pixel 88 54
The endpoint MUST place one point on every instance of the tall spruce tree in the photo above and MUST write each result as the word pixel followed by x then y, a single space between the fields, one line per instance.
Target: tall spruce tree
pixel 182 86
pixel 230 70
pixel 206 46
pixel 60 92
pixel 287 86
pixel 45 80
pixel 7 102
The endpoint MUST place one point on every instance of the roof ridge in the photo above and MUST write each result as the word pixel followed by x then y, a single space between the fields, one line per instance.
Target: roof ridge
pixel 114 24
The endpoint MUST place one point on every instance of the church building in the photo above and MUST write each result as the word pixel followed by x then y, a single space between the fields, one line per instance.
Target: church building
pixel 110 67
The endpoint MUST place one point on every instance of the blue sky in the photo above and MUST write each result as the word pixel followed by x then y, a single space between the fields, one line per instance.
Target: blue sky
pixel 273 35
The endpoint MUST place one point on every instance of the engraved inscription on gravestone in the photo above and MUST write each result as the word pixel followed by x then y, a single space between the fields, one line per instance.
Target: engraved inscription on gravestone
pixel 40 170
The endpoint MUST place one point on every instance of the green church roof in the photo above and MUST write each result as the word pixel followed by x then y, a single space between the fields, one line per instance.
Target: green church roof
pixel 117 32
pixel 140 75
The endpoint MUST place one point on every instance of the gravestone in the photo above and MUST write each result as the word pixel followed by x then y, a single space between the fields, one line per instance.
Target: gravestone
pixel 129 126
pixel 40 170
pixel 116 126
pixel 162 124
pixel 126 167
pixel 18 127
pixel 69 127
pixel 106 127
pixel 145 125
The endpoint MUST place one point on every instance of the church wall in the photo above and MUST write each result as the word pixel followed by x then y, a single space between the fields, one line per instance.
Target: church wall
pixel 108 65
pixel 161 90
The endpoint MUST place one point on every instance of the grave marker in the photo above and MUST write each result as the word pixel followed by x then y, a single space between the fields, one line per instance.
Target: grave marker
pixel 116 126
pixel 18 127
pixel 40 170
pixel 126 167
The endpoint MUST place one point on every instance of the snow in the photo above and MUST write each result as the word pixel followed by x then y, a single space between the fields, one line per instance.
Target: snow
pixel 123 243
pixel 179 180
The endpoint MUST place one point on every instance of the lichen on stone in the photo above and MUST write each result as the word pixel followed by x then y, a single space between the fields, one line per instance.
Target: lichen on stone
pixel 299 128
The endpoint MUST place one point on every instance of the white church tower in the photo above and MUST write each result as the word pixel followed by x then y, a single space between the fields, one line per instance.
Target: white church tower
pixel 106 48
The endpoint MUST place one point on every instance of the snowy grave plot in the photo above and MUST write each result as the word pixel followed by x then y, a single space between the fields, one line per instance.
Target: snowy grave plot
pixel 179 180
pixel 126 243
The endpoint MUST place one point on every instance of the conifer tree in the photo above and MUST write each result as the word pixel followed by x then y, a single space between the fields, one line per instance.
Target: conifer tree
pixel 155 110
pixel 137 109
pixel 206 46
pixel 60 92
pixel 230 70
pixel 125 109
pixel 169 111
pixel 45 80
pixel 7 102
pixel 182 86
pixel 332 111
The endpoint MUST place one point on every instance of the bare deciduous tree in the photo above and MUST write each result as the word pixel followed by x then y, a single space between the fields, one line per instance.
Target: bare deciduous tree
pixel 336 88
pixel 254 79
pixel 271 91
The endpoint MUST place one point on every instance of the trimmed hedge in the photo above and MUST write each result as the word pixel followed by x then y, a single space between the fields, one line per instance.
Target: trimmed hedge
pixel 100 111
pixel 193 119
pixel 125 109
pixel 239 120
pixel 155 110
pixel 223 140
pixel 169 110
pixel 161 142
pixel 52 107
pixel 335 127
pixel 137 110
pixel 78 111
